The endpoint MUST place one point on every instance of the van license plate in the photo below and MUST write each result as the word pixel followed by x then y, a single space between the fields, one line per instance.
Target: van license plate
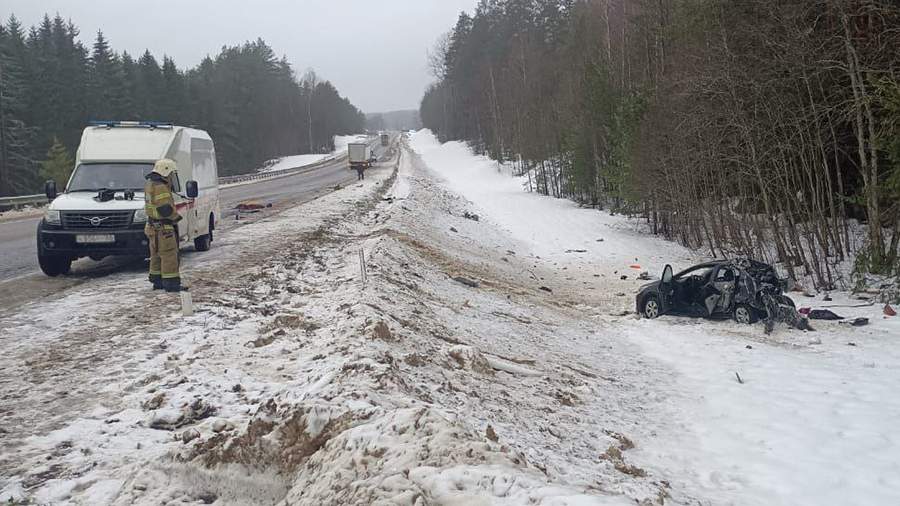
pixel 95 239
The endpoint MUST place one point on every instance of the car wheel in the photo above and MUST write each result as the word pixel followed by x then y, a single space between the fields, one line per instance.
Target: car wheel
pixel 202 243
pixel 651 308
pixel 744 314
pixel 54 265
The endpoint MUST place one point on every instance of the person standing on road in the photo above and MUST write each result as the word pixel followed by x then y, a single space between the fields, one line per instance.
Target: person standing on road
pixel 159 202
pixel 360 172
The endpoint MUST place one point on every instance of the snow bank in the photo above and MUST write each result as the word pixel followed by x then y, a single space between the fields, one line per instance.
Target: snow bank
pixel 554 228
pixel 293 162
pixel 341 141
pixel 812 419
pixel 810 424
pixel 297 383
pixel 297 161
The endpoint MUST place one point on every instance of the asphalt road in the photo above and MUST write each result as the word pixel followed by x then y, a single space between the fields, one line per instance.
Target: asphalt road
pixel 18 254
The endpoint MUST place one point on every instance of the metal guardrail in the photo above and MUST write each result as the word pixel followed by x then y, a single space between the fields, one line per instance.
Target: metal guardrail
pixel 278 173
pixel 40 200
pixel 21 201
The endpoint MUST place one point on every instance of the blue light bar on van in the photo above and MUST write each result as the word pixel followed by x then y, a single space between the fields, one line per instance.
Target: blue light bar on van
pixel 133 124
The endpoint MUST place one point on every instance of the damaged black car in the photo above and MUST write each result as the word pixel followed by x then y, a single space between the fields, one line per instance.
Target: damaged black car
pixel 742 289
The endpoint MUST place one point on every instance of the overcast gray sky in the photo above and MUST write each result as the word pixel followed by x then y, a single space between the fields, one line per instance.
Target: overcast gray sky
pixel 372 50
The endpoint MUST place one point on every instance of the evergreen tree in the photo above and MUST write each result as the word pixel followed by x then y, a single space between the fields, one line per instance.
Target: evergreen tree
pixel 106 82
pixel 58 165
pixel 248 99
pixel 129 107
pixel 150 99
pixel 17 168
pixel 174 107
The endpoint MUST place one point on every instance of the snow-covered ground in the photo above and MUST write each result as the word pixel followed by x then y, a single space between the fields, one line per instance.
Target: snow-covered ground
pixel 478 361
pixel 814 421
pixel 293 162
pixel 341 141
pixel 18 214
pixel 296 161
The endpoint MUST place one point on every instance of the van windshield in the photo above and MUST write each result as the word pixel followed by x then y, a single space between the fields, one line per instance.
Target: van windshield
pixel 109 176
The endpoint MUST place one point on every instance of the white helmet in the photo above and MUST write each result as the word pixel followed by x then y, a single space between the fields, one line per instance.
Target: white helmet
pixel 165 167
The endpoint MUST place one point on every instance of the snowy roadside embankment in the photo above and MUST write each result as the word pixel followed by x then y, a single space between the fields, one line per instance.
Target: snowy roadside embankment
pixel 294 162
pixel 290 162
pixel 300 161
pixel 105 386
pixel 297 384
pixel 556 229
pixel 812 422
pixel 483 361
pixel 342 141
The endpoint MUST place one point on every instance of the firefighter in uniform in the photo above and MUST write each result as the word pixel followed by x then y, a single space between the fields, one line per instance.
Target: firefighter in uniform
pixel 162 216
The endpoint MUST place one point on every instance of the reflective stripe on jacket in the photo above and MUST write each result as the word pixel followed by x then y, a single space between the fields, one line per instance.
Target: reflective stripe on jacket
pixel 159 202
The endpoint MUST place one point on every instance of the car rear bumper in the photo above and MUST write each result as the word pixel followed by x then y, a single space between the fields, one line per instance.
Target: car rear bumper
pixel 131 242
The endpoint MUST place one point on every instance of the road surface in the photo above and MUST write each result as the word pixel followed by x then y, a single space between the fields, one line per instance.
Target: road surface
pixel 20 276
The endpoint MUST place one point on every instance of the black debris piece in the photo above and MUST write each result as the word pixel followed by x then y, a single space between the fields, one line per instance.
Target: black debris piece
pixel 466 281
pixel 824 314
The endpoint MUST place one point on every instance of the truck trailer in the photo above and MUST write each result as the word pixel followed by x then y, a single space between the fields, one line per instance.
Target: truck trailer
pixel 360 155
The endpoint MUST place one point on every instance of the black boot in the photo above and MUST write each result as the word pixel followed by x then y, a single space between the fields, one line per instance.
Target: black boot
pixel 172 284
pixel 156 279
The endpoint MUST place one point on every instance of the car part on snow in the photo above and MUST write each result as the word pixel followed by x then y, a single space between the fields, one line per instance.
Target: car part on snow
pixel 251 206
pixel 466 281
pixel 781 309
pixel 824 314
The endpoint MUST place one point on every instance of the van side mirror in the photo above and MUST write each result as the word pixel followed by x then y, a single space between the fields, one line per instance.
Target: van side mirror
pixel 192 190
pixel 50 190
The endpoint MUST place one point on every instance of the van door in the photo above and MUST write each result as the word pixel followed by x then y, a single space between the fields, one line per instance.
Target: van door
pixel 182 205
pixel 203 162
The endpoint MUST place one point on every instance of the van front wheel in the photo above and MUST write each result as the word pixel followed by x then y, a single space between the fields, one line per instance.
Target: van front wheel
pixel 54 265
pixel 204 242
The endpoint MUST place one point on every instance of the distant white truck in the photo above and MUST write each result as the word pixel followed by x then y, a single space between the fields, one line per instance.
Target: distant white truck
pixel 101 211
pixel 360 155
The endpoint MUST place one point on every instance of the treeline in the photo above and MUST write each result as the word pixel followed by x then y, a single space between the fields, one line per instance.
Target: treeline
pixel 249 100
pixel 751 127
pixel 394 120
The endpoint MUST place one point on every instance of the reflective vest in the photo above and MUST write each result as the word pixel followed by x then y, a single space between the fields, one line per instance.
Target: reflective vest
pixel 159 203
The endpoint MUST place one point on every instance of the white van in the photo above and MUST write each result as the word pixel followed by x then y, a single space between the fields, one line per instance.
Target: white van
pixel 101 211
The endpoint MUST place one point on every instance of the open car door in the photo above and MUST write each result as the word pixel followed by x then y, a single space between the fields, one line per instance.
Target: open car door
pixel 666 290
